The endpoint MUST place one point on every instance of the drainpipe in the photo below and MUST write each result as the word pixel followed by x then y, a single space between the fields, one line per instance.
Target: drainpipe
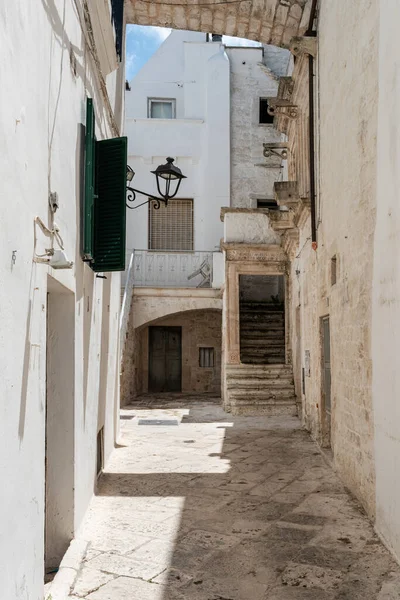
pixel 310 32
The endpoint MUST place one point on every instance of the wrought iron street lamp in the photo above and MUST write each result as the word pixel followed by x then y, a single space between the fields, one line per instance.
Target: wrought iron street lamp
pixel 168 177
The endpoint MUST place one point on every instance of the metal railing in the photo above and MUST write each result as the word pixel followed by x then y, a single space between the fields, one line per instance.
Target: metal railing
pixel 162 268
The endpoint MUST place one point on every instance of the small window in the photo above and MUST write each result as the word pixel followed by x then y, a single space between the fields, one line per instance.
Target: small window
pixel 265 117
pixel 161 108
pixel 206 357
pixel 271 204
pixel 333 270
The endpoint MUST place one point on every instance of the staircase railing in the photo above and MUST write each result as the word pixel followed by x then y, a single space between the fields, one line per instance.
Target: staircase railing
pixel 126 303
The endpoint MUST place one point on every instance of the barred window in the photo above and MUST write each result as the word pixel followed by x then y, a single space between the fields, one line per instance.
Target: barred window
pixel 171 227
pixel 206 357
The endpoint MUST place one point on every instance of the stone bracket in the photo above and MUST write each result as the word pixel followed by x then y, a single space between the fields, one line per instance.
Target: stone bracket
pixel 286 193
pixel 282 108
pixel 279 149
pixel 303 45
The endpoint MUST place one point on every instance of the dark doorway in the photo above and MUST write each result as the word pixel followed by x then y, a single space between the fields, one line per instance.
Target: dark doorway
pixel 59 458
pixel 326 377
pixel 165 359
pixel 262 319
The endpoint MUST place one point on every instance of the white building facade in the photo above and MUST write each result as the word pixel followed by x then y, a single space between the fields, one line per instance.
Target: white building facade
pixel 191 102
pixel 59 326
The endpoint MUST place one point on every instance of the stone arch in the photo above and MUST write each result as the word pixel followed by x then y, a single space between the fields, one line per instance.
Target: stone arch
pixel 201 326
pixel 149 309
pixel 267 21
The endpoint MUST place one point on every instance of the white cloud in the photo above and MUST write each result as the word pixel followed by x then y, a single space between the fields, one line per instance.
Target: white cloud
pixel 228 40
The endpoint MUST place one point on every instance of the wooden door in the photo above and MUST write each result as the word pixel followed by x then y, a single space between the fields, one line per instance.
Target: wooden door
pixel 326 361
pixel 165 359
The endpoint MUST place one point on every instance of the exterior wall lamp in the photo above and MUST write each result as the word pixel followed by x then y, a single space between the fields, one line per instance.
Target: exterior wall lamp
pixel 168 178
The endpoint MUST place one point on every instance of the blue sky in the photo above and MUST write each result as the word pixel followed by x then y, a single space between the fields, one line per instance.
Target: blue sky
pixel 143 42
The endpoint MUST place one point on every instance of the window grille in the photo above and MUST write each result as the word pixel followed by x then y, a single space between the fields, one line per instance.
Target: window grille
pixel 206 357
pixel 171 227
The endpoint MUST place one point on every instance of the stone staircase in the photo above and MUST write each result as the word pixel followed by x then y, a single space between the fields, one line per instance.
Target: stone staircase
pixel 260 390
pixel 262 333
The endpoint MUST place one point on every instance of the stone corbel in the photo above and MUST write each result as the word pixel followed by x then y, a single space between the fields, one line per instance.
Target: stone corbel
pixel 282 108
pixel 290 242
pixel 286 194
pixel 281 220
pixel 303 45
pixel 285 88
pixel 279 149
pixel 303 212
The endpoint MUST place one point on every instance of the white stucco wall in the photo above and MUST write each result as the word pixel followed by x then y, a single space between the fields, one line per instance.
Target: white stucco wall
pixel 195 74
pixel 386 283
pixel 41 139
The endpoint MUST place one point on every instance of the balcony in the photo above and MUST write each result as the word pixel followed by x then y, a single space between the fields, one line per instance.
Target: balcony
pixel 171 269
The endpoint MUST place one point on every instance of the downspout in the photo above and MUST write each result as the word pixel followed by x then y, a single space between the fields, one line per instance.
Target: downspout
pixel 311 33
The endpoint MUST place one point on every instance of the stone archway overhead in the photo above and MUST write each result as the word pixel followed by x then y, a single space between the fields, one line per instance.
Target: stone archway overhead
pixel 267 21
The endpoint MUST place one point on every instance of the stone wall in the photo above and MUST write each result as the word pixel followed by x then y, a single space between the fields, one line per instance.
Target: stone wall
pixel 346 77
pixel 252 175
pixel 199 329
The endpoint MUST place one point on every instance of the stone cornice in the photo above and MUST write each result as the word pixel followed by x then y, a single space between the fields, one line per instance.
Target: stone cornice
pixel 266 253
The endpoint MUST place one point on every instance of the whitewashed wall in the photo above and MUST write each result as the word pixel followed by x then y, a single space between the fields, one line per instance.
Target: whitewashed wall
pixel 386 282
pixel 41 143
pixel 196 74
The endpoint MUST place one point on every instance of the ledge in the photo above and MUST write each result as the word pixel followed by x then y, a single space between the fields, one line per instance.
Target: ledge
pixel 246 211
pixel 173 292
pixel 163 121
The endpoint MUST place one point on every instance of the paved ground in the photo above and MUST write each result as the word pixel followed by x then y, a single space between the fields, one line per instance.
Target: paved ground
pixel 226 508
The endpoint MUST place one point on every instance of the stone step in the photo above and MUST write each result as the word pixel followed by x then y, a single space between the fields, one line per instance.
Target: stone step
pixel 262 395
pixel 268 410
pixel 271 342
pixel 273 320
pixel 260 384
pixel 264 352
pixel 280 370
pixel 266 332
pixel 261 361
pixel 261 306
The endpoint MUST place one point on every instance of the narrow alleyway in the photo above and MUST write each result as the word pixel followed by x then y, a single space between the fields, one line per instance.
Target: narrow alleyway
pixel 198 505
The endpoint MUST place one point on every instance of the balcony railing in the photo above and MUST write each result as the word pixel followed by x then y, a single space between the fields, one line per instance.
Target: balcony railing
pixel 172 269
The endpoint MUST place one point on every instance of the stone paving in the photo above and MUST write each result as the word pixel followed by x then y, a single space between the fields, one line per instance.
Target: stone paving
pixel 216 507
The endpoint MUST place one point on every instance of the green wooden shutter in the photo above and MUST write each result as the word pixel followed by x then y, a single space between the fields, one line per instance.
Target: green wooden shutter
pixel 110 205
pixel 88 204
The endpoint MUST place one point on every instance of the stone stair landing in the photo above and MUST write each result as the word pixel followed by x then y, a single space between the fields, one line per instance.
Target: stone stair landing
pixel 260 390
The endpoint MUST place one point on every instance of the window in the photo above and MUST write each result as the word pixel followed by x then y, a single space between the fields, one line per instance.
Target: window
pixel 206 357
pixel 265 117
pixel 104 203
pixel 333 270
pixel 171 228
pixel 271 204
pixel 161 108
